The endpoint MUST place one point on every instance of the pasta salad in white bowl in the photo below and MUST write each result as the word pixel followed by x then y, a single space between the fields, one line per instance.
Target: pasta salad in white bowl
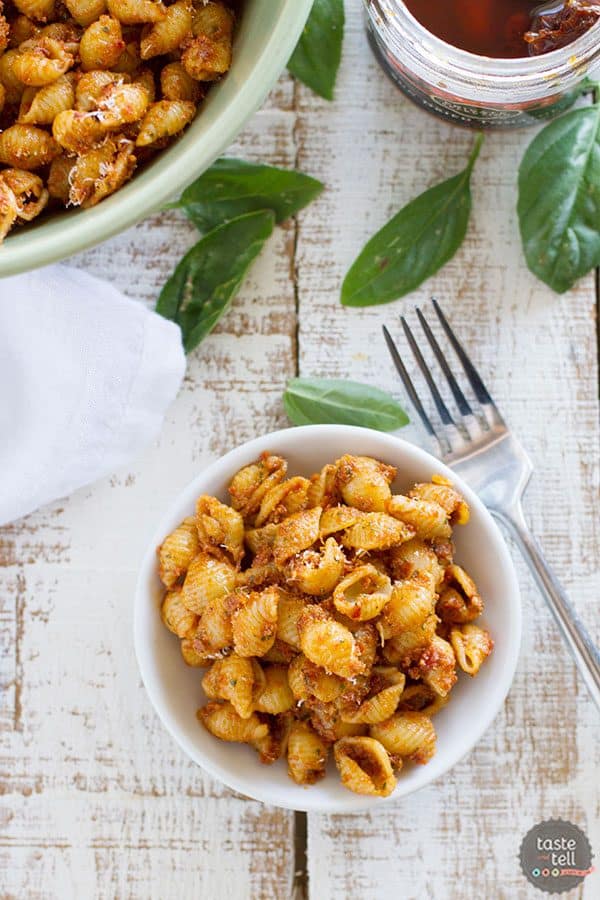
pixel 311 614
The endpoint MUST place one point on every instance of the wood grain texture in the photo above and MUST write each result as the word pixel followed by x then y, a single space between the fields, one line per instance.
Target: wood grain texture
pixel 96 801
pixel 460 837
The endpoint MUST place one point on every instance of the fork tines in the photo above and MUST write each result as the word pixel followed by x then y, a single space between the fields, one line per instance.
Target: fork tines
pixel 442 432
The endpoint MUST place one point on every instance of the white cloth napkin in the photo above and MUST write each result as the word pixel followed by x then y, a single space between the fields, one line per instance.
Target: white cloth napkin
pixel 86 376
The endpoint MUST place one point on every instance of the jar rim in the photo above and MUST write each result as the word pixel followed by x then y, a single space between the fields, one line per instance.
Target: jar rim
pixel 562 67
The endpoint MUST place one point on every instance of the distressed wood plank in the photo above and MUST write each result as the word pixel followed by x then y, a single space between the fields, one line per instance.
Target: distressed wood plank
pixel 460 837
pixel 74 845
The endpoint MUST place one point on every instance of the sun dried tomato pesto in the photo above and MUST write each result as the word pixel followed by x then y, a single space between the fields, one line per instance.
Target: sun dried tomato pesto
pixel 506 28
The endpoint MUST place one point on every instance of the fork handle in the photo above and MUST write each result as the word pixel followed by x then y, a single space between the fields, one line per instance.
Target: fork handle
pixel 577 638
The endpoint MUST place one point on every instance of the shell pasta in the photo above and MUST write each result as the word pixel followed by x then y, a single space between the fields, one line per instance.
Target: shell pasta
pixel 91 89
pixel 325 614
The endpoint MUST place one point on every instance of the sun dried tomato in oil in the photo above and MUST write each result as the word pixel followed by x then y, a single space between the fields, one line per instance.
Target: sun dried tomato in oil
pixel 558 24
pixel 506 28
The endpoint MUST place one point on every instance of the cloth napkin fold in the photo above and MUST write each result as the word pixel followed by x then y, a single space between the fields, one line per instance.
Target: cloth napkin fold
pixel 86 376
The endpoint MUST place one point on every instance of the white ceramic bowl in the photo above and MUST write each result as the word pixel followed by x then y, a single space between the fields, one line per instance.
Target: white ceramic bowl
pixel 175 690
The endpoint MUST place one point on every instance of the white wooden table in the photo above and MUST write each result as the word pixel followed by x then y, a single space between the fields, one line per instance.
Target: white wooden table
pixel 97 801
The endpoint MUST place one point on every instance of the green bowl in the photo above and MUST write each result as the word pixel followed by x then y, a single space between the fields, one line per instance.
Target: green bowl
pixel 268 33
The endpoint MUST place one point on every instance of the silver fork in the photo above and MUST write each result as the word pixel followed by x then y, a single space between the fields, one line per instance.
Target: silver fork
pixel 481 447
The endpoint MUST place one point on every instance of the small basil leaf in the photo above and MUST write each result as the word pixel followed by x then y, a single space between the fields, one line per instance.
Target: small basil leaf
pixel 316 59
pixel 318 401
pixel 559 199
pixel 413 245
pixel 205 281
pixel 232 187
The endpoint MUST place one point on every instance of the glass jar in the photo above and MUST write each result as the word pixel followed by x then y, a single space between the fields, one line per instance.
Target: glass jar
pixel 477 91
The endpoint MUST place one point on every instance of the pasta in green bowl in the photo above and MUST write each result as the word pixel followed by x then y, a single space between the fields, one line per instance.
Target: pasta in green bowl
pixel 112 110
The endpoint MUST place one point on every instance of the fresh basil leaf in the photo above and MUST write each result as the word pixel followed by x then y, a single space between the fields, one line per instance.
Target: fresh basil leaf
pixel 205 281
pixel 543 113
pixel 232 187
pixel 559 199
pixel 318 401
pixel 413 245
pixel 316 59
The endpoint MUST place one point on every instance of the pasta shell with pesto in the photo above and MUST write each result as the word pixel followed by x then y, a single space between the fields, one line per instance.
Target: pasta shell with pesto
pixel 177 551
pixel 193 657
pixel 214 634
pixel 101 44
pixel 415 558
pixel 9 210
pixel 276 695
pixel 377 708
pixel 223 721
pixel 376 531
pixel 29 192
pixel 472 645
pixel 296 533
pixel 282 501
pixel 439 490
pixel 419 697
pixel 237 680
pixel 86 11
pixel 164 119
pixel 428 518
pixel 437 666
pixel 306 679
pixel 207 578
pixel 258 539
pixel 459 601
pixel 337 518
pixel 213 18
pixel 248 486
pixel 289 610
pixel 136 12
pixel 100 171
pixel 168 32
pixel 41 106
pixel 205 59
pixel 306 754
pixel 41 61
pixel 254 622
pixel 405 647
pixel 176 616
pixel 364 766
pixel 411 602
pixel 364 482
pixel 91 85
pixel 316 572
pixel 27 147
pixel 122 104
pixel 261 573
pixel 409 735
pixel 274 745
pixel 328 643
pixel 323 490
pixel 220 528
pixel 363 593
pixel 176 84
